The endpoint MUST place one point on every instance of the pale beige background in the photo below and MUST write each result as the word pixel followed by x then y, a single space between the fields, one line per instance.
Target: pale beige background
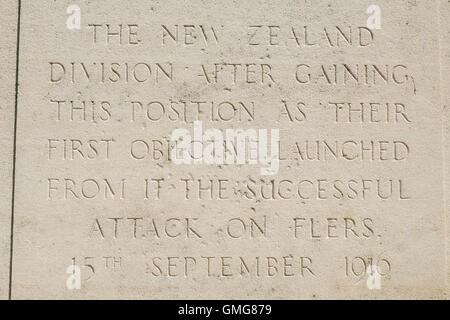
pixel 445 78
pixel 49 233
